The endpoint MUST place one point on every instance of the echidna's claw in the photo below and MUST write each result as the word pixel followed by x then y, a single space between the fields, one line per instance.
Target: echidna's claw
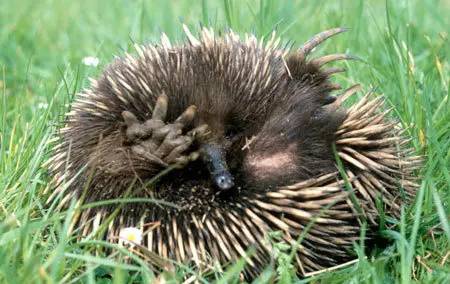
pixel 135 130
pixel 186 117
pixel 160 133
pixel 334 86
pixel 333 70
pixel 182 161
pixel 171 143
pixel 319 38
pixel 161 143
pixel 200 132
pixel 160 110
pixel 129 118
pixel 176 153
pixel 333 57
pixel 143 152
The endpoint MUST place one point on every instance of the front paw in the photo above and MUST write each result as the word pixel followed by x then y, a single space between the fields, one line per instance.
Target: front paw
pixel 161 143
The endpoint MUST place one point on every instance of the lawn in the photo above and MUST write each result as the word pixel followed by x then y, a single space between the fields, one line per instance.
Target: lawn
pixel 405 52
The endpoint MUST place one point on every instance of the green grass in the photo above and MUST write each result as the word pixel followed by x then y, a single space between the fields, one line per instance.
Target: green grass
pixel 405 49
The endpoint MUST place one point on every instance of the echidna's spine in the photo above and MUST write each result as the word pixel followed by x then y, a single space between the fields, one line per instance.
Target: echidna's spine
pixel 374 152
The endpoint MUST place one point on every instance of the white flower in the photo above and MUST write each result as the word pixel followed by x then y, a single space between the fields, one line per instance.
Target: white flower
pixel 42 105
pixel 130 235
pixel 91 61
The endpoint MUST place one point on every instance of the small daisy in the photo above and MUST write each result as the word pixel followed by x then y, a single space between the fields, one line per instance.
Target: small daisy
pixel 130 235
pixel 91 61
pixel 42 105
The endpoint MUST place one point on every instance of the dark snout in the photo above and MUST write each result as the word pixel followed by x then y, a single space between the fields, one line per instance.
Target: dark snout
pixel 214 158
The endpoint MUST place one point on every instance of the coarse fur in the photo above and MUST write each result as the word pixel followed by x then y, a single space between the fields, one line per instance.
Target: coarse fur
pixel 270 111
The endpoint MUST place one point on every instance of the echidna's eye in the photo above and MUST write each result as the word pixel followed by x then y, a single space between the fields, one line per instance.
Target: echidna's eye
pixel 230 132
pixel 233 131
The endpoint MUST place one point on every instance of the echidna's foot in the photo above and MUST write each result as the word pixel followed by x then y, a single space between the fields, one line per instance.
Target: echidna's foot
pixel 161 143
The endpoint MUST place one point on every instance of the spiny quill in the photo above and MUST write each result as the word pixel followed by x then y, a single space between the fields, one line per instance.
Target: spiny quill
pixel 247 129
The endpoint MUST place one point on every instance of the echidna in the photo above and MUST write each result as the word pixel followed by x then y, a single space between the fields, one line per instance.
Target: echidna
pixel 247 130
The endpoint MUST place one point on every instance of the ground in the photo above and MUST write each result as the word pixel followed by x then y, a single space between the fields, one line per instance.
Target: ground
pixel 404 46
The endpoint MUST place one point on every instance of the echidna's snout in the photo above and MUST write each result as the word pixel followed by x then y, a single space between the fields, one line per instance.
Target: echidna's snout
pixel 224 180
pixel 214 158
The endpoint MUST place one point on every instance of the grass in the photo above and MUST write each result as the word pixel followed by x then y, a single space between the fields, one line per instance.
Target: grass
pixel 405 50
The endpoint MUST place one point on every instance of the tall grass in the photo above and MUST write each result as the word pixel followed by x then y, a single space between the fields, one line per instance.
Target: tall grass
pixel 405 50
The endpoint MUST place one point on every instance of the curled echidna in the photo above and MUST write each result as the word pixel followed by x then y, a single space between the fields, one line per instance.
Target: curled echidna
pixel 246 130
